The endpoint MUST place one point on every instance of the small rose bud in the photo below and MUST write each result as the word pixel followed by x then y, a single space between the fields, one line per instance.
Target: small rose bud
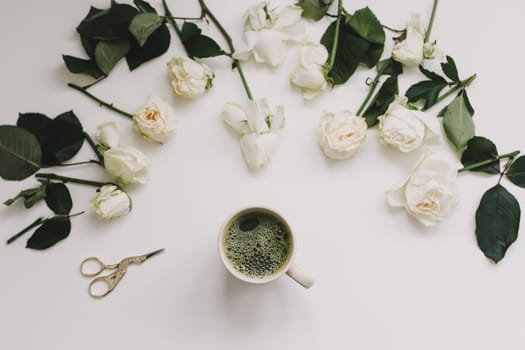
pixel 111 202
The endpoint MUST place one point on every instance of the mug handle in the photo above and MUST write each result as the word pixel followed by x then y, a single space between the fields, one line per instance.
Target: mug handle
pixel 299 276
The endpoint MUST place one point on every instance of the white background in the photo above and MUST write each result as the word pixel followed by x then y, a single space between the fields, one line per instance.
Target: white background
pixel 383 281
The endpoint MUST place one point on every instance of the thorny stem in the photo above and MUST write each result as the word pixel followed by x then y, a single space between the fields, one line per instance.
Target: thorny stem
pixel 70 179
pixel 101 102
pixel 431 21
pixel 458 86
pixel 91 161
pixel 373 86
pixel 510 155
pixel 336 36
pixel 171 19
pixel 206 11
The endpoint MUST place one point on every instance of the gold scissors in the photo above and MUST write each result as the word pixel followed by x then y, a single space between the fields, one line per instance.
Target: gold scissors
pixel 113 278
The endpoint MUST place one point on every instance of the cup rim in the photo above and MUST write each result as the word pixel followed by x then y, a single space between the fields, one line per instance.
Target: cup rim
pixel 230 267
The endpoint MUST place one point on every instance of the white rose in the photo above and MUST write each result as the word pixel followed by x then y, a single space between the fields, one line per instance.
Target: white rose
pixel 430 193
pixel 107 135
pixel 309 76
pixel 111 202
pixel 265 39
pixel 407 129
pixel 155 121
pixel 126 165
pixel 341 134
pixel 256 123
pixel 189 78
pixel 410 50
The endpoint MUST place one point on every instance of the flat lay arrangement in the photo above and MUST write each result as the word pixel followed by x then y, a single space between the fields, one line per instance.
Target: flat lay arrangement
pixel 367 143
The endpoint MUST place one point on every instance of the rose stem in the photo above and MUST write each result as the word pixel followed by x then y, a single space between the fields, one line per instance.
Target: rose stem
pixel 336 36
pixel 171 19
pixel 91 161
pixel 94 148
pixel 489 161
pixel 373 86
pixel 236 63
pixel 70 179
pixel 458 86
pixel 102 103
pixel 431 21
pixel 37 222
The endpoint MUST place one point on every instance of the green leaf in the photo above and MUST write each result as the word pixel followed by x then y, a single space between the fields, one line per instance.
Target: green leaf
pixel 381 101
pixel 497 222
pixel 109 24
pixel 20 153
pixel 58 198
pixel 366 24
pixel 457 122
pixel 82 66
pixel 480 149
pixel 199 45
pixel 108 53
pixel 516 172
pixel 51 232
pixel 373 54
pixel 431 75
pixel 60 138
pixel 144 7
pixel 428 90
pixel 157 44
pixel 314 9
pixel 389 67
pixel 31 196
pixel 143 25
pixel 450 69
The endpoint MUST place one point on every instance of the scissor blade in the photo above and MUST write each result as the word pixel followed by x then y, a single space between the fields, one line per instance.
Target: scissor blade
pixel 149 255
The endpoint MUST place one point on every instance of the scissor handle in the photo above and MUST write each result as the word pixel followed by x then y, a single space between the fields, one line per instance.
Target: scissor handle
pixel 110 281
pixel 101 266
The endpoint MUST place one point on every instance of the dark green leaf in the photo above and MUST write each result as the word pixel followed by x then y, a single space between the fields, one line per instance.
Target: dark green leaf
pixel 58 198
pixel 108 53
pixel 366 24
pixel 480 149
pixel 143 6
pixel 20 153
pixel 381 101
pixel 450 69
pixel 428 90
pixel 143 25
pixel 51 232
pixel 468 105
pixel 314 9
pixel 31 196
pixel 516 172
pixel 110 24
pixel 156 45
pixel 457 122
pixel 82 66
pixel 60 138
pixel 351 50
pixel 432 76
pixel 373 54
pixel 389 67
pixel 497 222
pixel 199 45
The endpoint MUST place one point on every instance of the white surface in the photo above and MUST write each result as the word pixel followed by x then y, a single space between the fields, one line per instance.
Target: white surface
pixel 382 280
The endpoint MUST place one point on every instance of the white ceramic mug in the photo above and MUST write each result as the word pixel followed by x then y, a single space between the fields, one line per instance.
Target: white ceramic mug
pixel 288 267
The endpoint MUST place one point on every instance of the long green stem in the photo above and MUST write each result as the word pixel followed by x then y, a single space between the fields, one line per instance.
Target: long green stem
pixel 91 161
pixel 206 11
pixel 336 36
pixel 373 87
pixel 16 236
pixel 70 179
pixel 101 102
pixel 458 86
pixel 489 161
pixel 431 21
pixel 175 26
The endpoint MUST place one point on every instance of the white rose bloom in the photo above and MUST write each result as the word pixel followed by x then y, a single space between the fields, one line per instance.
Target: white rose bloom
pixel 107 135
pixel 341 134
pixel 127 165
pixel 266 33
pixel 407 129
pixel 188 77
pixel 155 121
pixel 111 202
pixel 430 193
pixel 309 76
pixel 410 51
pixel 256 123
